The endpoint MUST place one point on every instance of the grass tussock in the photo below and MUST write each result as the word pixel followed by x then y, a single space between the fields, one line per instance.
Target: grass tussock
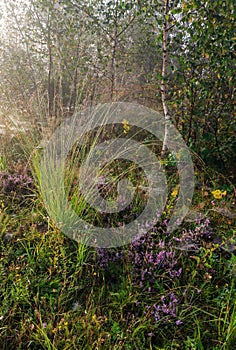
pixel 161 291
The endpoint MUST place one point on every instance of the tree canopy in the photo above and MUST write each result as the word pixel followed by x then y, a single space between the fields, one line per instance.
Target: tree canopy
pixel 59 56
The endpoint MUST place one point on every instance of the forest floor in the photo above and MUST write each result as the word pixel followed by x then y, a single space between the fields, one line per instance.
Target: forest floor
pixel 162 291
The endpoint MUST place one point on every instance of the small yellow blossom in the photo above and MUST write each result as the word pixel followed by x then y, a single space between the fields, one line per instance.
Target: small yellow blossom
pixel 126 126
pixel 175 191
pixel 218 194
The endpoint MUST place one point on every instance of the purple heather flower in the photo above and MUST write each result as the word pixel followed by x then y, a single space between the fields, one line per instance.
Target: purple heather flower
pixel 178 322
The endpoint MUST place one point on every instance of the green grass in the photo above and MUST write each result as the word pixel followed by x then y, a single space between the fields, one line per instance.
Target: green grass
pixel 55 296
pixel 55 293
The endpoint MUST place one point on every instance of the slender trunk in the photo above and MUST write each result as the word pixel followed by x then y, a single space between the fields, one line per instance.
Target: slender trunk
pixel 50 87
pixel 113 56
pixel 190 131
pixel 93 93
pixel 163 80
pixel 75 82
pixel 74 93
pixel 58 93
pixel 113 60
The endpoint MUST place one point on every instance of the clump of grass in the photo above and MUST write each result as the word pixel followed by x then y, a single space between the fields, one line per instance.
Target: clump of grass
pixel 158 292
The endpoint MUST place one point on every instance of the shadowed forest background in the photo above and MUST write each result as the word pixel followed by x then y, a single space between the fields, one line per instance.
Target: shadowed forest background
pixel 60 56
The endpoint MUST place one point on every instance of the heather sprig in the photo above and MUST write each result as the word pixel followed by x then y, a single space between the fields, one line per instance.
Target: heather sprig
pixel 165 309
pixel 15 186
pixel 150 258
pixel 191 238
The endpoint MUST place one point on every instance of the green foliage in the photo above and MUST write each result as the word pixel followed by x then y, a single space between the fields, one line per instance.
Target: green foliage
pixel 57 57
pixel 55 293
pixel 202 91
pixel 80 53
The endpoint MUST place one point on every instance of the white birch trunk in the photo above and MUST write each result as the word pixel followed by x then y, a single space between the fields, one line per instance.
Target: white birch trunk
pixel 163 80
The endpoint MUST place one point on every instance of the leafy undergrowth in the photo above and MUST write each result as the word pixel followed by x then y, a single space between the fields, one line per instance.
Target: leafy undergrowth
pixel 162 291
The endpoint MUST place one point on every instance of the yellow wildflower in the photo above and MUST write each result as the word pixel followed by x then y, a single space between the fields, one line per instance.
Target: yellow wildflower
pixel 126 126
pixel 175 191
pixel 218 194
